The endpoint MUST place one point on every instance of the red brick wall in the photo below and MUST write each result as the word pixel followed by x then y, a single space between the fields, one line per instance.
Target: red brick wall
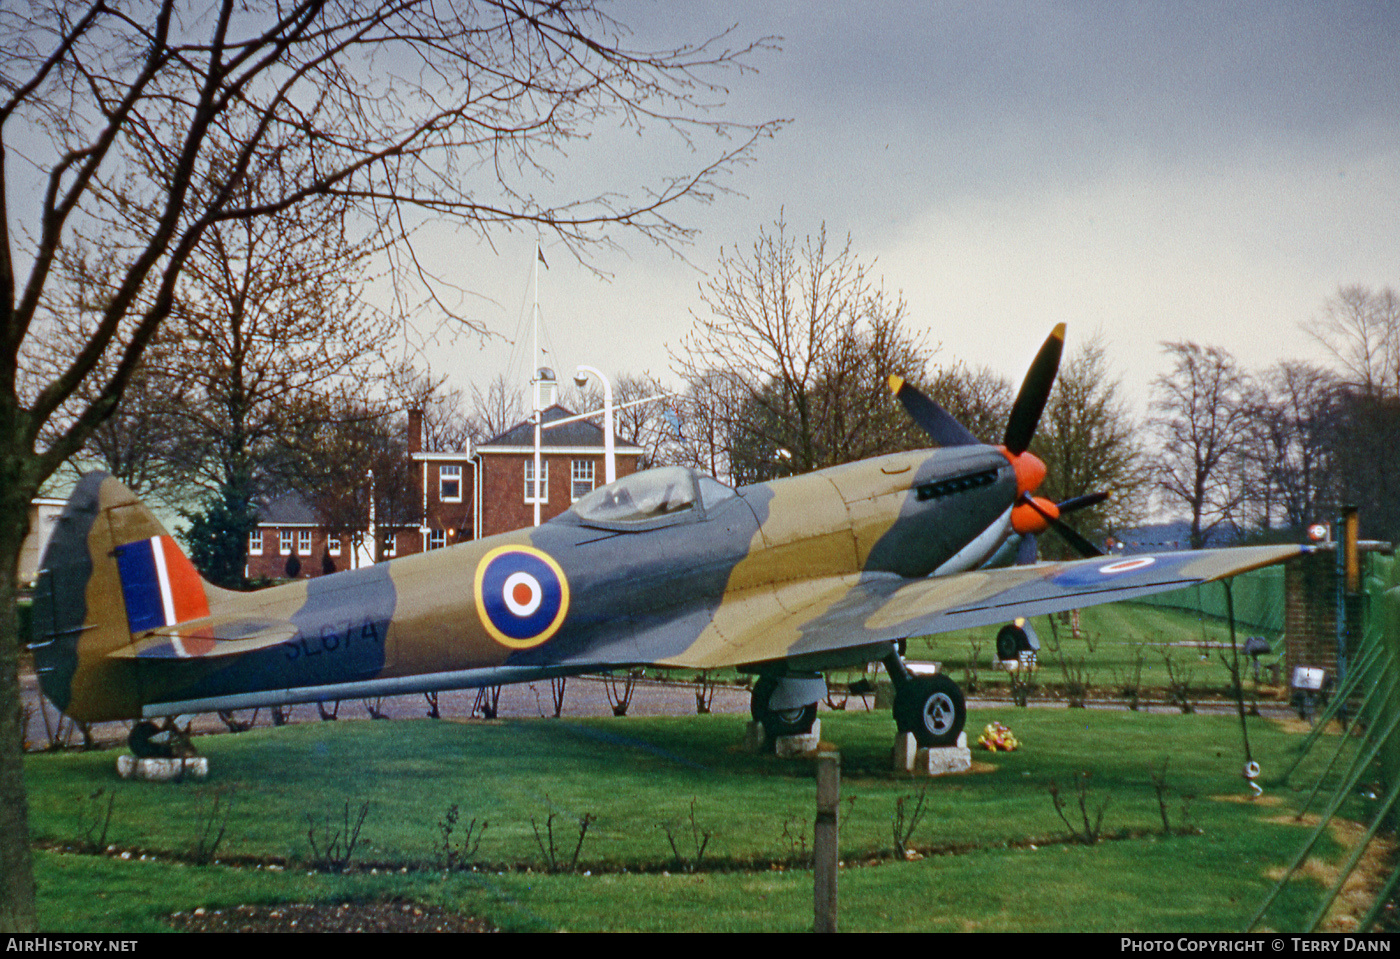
pixel 446 516
pixel 503 506
pixel 272 564
pixel 1310 585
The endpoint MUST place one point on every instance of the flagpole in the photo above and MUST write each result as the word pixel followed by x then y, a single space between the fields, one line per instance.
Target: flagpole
pixel 535 379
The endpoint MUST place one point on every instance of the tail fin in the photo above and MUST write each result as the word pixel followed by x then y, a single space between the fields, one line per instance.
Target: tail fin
pixel 110 573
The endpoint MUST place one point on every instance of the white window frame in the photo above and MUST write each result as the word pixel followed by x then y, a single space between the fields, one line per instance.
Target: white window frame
pixel 333 544
pixel 303 542
pixel 255 543
pixel 437 538
pixel 580 472
pixel 544 481
pixel 284 542
pixel 449 473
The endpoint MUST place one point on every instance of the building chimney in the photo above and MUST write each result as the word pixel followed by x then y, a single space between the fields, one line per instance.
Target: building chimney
pixel 415 431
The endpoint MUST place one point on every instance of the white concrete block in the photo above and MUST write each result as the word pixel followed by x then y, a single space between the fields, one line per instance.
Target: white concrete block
pixel 788 746
pixel 906 752
pixel 943 759
pixel 909 757
pixel 162 770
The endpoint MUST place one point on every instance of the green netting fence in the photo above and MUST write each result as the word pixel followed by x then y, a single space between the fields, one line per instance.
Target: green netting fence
pixel 1367 705
pixel 1259 599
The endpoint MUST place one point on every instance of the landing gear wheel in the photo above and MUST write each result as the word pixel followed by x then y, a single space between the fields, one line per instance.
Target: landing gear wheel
pixel 794 721
pixel 932 708
pixel 149 741
pixel 1011 641
pixel 144 744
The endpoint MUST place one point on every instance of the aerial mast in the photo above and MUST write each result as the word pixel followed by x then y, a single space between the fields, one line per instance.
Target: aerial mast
pixel 535 383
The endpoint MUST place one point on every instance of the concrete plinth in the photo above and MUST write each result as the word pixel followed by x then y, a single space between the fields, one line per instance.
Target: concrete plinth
pixel 756 740
pixel 162 770
pixel 940 760
pixel 789 746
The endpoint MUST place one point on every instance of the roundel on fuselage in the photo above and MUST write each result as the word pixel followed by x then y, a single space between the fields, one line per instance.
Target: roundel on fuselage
pixel 522 595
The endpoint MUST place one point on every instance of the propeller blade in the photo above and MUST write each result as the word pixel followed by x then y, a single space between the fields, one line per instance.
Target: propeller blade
pixel 1072 536
pixel 1081 502
pixel 1085 548
pixel 1035 391
pixel 937 422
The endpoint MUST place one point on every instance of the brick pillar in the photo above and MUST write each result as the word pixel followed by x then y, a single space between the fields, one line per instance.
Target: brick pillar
pixel 415 431
pixel 1310 585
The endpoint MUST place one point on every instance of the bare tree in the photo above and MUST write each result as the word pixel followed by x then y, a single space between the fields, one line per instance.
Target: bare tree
pixel 495 411
pixel 1365 470
pixel 701 414
pixel 654 425
pixel 804 337
pixel 1289 447
pixel 1360 327
pixel 446 425
pixel 267 319
pixel 979 399
pixel 142 125
pixel 1200 416
pixel 357 454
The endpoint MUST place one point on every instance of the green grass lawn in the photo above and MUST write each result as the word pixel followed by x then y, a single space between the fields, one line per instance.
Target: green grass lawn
pixel 995 855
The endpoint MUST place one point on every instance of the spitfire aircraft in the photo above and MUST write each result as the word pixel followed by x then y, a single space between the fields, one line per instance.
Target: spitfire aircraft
pixel 667 567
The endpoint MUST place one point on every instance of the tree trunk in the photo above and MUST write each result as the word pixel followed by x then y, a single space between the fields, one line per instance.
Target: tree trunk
pixel 17 906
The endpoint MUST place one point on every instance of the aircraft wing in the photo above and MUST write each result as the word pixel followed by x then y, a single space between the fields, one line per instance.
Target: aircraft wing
pixel 812 618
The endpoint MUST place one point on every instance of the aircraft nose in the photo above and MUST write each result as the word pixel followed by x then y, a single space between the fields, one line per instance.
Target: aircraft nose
pixel 1033 515
pixel 1030 470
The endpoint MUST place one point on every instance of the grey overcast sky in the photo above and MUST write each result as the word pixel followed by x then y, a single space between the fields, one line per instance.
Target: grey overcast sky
pixel 1154 171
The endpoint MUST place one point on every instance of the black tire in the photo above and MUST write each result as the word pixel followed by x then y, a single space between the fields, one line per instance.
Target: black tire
pixel 932 708
pixel 141 745
pixel 779 722
pixel 1010 641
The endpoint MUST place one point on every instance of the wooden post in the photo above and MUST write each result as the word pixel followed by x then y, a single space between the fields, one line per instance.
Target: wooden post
pixel 826 842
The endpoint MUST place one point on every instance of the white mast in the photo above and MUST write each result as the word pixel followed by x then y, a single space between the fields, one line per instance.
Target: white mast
pixel 535 382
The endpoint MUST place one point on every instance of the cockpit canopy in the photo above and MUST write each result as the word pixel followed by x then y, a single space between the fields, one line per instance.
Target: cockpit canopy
pixel 652 498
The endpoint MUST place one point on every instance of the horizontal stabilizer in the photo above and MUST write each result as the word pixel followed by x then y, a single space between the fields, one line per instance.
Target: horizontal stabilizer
pixel 208 639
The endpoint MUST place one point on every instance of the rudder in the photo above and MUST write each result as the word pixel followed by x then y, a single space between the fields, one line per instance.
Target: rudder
pixel 110 572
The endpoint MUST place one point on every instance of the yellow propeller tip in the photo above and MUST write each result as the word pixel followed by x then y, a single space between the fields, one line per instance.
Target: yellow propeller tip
pixel 1058 332
pixel 896 382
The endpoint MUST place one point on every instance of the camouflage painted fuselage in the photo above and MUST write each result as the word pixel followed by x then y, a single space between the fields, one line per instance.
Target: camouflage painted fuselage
pixel 683 590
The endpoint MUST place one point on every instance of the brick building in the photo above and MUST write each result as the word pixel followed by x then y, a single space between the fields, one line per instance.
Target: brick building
pixel 292 541
pixel 452 497
pixel 571 467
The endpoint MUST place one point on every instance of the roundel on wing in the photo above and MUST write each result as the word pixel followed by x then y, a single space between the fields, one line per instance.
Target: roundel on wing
pixel 521 595
pixel 1093 574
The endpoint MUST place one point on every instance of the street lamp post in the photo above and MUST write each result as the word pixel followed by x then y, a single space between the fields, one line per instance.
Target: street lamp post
pixel 609 459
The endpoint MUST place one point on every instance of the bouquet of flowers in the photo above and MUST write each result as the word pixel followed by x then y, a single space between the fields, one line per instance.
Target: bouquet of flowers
pixel 996 737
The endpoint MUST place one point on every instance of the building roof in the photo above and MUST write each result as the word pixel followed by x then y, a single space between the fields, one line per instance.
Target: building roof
pixel 580 434
pixel 289 509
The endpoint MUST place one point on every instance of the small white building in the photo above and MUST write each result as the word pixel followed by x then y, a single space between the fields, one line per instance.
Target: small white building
pixel 43 515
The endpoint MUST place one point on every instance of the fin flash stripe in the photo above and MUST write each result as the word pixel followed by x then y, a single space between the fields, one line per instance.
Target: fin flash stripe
pixel 160 586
